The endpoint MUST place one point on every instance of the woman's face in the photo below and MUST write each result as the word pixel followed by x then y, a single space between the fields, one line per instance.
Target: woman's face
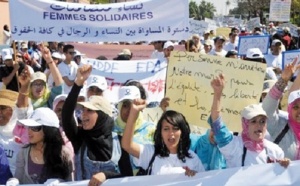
pixel 5 114
pixel 257 128
pixel 58 109
pixel 89 118
pixel 125 110
pixel 171 136
pixel 35 134
pixel 296 111
pixel 38 88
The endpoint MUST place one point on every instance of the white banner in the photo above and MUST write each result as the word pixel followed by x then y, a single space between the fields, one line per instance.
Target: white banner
pixel 145 20
pixel 246 42
pixel 280 10
pixel 151 73
pixel 264 174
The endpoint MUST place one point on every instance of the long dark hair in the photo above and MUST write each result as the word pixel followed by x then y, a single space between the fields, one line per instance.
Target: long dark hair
pixel 178 120
pixel 55 158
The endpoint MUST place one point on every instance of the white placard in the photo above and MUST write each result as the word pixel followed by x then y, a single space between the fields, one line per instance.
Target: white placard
pixel 280 10
pixel 145 20
pixel 246 42
pixel 289 56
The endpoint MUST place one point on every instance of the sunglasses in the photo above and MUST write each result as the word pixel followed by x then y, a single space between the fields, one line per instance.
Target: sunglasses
pixel 72 53
pixel 36 128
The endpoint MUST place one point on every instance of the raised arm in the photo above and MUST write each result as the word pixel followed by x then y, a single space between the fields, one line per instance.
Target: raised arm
pixel 68 121
pixel 52 67
pixel 24 80
pixel 218 85
pixel 127 141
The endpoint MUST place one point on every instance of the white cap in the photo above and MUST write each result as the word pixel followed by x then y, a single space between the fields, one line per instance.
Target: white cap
pixel 56 55
pixel 24 45
pixel 97 81
pixel 268 84
pixel 41 117
pixel 125 51
pixel 6 54
pixel 252 111
pixel 38 75
pixel 77 53
pixel 59 98
pixel 275 41
pixel 254 53
pixel 168 44
pixel 293 96
pixel 129 93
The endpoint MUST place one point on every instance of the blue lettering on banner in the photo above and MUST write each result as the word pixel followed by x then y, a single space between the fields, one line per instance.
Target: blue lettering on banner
pixel 147 67
pixel 104 66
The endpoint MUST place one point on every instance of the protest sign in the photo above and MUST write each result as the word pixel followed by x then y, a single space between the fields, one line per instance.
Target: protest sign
pixel 247 42
pixel 129 21
pixel 273 175
pixel 223 31
pixel 198 27
pixel 280 10
pixel 188 86
pixel 151 73
pixel 293 28
pixel 252 23
pixel 152 114
pixel 289 56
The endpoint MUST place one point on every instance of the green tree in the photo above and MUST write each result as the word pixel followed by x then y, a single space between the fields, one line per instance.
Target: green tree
pixel 207 9
pixel 194 11
pixel 99 1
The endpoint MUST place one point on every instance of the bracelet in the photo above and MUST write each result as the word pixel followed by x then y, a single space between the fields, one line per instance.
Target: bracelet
pixel 24 94
pixel 281 84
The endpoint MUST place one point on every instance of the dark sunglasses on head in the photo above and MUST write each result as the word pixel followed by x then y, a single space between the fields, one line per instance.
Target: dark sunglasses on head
pixel 36 128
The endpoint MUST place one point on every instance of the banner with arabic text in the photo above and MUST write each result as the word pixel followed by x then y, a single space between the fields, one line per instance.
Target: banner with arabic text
pixel 146 20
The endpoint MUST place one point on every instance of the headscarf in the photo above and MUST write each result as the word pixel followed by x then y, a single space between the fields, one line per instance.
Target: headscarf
pixel 42 101
pixel 294 125
pixel 250 144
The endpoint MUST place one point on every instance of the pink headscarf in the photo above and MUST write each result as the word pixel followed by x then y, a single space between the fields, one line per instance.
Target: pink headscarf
pixel 250 144
pixel 294 125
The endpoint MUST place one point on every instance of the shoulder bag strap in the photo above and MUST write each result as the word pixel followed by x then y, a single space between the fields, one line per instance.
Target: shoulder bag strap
pixel 282 134
pixel 149 169
pixel 82 149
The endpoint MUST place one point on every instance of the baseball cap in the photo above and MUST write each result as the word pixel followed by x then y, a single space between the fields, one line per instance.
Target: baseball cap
pixel 24 45
pixel 219 38
pixel 98 103
pixel 276 41
pixel 6 54
pixel 56 55
pixel 293 96
pixel 208 42
pixel 43 116
pixel 286 29
pixel 8 97
pixel 125 52
pixel 97 81
pixel 38 76
pixel 252 111
pixel 168 44
pixel 268 84
pixel 59 98
pixel 129 93
pixel 206 32
pixel 254 53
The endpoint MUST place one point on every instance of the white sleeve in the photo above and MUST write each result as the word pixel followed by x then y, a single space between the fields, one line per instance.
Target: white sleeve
pixel 233 152
pixel 146 153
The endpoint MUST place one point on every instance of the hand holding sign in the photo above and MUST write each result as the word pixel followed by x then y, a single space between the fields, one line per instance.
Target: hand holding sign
pixel 289 70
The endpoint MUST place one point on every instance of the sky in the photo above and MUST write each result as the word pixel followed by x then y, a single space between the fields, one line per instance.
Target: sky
pixel 219 4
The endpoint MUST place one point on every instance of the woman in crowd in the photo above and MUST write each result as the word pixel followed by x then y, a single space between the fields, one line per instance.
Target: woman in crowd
pixel 36 87
pixel 170 153
pixel 250 147
pixel 285 130
pixel 94 145
pixel 45 157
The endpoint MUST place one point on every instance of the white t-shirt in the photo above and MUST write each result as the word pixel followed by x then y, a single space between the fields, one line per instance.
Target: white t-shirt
pixel 6 37
pixel 166 165
pixel 230 46
pixel 274 61
pixel 233 153
pixel 69 71
pixel 214 53
pixel 157 55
